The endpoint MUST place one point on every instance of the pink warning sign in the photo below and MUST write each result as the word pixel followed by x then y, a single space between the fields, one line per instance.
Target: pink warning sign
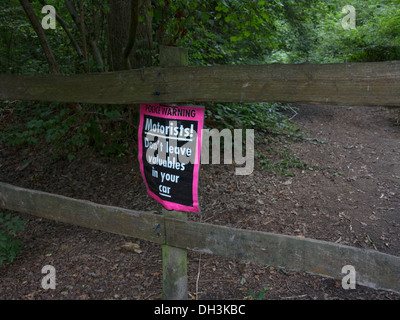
pixel 169 153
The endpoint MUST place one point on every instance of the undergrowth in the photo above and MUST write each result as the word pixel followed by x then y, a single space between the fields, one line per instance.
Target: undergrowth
pixel 284 165
pixel 10 245
pixel 267 120
pixel 63 130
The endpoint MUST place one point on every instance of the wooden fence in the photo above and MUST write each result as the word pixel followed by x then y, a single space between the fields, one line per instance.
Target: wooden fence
pixel 333 84
pixel 364 84
pixel 374 269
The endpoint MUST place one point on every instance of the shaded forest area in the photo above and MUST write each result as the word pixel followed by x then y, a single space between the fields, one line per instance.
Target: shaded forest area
pixel 89 151
pixel 102 36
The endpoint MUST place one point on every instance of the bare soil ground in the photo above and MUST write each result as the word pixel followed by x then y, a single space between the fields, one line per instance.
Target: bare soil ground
pixel 349 193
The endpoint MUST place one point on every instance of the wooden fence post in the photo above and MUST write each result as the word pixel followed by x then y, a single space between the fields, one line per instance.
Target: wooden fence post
pixel 174 265
pixel 174 260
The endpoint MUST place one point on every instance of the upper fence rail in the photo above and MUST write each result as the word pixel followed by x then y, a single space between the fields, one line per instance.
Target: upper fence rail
pixel 364 84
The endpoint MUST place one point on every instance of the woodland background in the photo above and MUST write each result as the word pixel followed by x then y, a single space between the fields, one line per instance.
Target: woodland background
pixel 113 35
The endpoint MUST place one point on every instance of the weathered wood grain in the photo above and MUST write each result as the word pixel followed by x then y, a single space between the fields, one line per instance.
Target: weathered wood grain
pixel 83 213
pixel 175 279
pixel 174 265
pixel 373 269
pixel 366 84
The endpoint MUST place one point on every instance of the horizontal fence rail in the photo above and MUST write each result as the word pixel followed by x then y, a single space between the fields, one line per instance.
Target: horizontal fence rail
pixel 367 84
pixel 373 269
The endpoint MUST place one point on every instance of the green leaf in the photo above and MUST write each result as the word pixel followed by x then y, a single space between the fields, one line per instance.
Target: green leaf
pixel 235 39
pixel 71 157
pixel 113 114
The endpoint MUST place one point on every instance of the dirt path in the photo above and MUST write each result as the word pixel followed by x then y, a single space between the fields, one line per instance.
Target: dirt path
pixel 349 193
pixel 358 186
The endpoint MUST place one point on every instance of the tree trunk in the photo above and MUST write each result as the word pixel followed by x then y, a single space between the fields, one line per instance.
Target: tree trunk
pixel 118 26
pixel 41 35
pixel 132 32
pixel 143 50
pixel 128 50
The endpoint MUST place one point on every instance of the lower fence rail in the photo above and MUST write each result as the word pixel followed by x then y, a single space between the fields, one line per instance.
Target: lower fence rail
pixel 373 269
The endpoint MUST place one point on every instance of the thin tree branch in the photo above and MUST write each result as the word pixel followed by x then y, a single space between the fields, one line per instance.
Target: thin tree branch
pixel 83 29
pixel 79 19
pixel 72 11
pixel 66 29
pixel 135 7
pixel 41 35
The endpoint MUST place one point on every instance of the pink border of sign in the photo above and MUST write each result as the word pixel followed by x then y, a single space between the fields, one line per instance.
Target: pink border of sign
pixel 200 119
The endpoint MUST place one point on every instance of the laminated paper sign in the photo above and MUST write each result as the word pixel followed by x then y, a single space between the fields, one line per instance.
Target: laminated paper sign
pixel 169 153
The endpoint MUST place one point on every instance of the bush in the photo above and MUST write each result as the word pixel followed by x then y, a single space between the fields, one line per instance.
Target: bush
pixel 262 117
pixel 64 130
pixel 376 53
pixel 10 245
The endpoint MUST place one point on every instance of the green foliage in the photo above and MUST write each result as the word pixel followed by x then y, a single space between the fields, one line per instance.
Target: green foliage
pixel 259 295
pixel 110 134
pixel 376 37
pixel 215 32
pixel 288 31
pixel 314 32
pixel 224 32
pixel 20 50
pixel 262 117
pixel 54 124
pixel 104 130
pixel 285 163
pixel 218 32
pixel 66 131
pixel 10 245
